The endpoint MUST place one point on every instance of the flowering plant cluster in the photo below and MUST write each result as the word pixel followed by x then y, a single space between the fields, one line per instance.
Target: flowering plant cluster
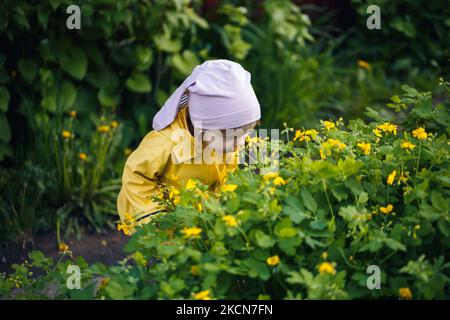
pixel 346 197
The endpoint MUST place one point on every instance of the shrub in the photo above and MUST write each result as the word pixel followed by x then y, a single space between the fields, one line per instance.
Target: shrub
pixel 345 198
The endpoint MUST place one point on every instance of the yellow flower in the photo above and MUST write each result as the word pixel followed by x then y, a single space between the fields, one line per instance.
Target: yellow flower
pixel 173 193
pixel 66 134
pixel 103 283
pixel 407 145
pixel 104 128
pixel 252 141
pixel 127 230
pixel 191 232
pixel 273 261
pixel 327 267
pixel 194 270
pixel 278 181
pixel 305 135
pixel 63 247
pixel 202 295
pixel 199 207
pixel 298 135
pixel 403 178
pixel 229 187
pixel 391 177
pixel 331 144
pixel 420 133
pixel 363 64
pixel 387 209
pixel 365 147
pixel 230 220
pixel 388 128
pixel 128 218
pixel 270 175
pixel 405 293
pixel 329 125
pixel 82 156
pixel 377 132
pixel 73 114
pixel 114 124
pixel 311 133
pixel 191 184
pixel 126 225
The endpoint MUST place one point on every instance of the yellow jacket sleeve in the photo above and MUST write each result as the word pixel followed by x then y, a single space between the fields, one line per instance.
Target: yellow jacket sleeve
pixel 140 176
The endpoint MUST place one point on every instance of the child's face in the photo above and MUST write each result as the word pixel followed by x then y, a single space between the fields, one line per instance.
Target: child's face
pixel 227 140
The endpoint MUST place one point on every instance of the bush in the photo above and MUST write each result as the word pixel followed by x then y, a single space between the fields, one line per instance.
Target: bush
pixel 345 198
pixel 413 35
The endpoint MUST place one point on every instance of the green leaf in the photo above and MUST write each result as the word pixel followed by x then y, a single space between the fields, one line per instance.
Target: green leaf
pixel 295 210
pixel 395 245
pixel 258 268
pixel 118 291
pixel 438 201
pixel 185 62
pixel 263 240
pixel 43 14
pixel 339 192
pixel 144 55
pixel 74 62
pixel 308 200
pixel 67 96
pixel 28 69
pixel 108 97
pixel 164 43
pixel 4 99
pixel 49 101
pixel 138 82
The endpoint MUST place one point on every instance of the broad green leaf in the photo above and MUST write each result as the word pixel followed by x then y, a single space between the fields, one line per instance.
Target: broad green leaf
pixel 308 200
pixel 108 97
pixel 263 240
pixel 67 96
pixel 74 62
pixel 138 82
pixel 164 43
pixel 28 69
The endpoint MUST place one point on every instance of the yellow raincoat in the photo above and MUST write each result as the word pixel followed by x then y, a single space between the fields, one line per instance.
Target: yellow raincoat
pixel 159 161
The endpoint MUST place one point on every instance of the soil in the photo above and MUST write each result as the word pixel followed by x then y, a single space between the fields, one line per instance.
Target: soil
pixel 105 248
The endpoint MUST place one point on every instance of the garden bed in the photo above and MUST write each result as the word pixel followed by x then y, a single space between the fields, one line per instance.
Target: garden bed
pixel 106 248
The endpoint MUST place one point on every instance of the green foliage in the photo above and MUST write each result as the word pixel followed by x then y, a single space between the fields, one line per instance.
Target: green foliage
pixel 413 34
pixel 309 231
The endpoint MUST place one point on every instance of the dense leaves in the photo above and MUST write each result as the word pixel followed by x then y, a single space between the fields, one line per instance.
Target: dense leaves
pixel 311 230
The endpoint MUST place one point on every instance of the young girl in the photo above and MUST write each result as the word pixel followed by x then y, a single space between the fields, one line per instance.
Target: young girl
pixel 215 98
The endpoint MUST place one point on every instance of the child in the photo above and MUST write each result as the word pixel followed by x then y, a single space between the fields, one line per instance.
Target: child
pixel 217 96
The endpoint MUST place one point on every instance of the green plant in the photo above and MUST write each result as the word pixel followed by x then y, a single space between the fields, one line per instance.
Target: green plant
pixel 21 201
pixel 345 198
pixel 84 185
pixel 413 35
